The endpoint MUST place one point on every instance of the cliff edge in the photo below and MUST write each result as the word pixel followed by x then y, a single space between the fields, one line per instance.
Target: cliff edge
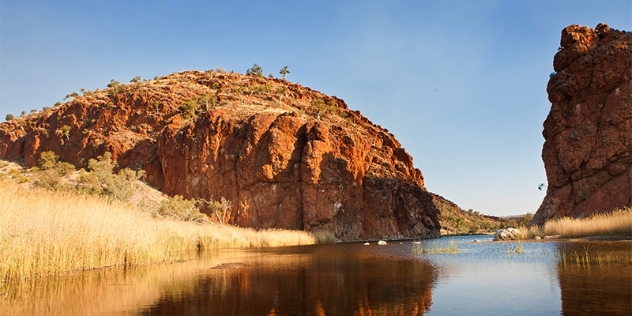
pixel 587 152
pixel 286 156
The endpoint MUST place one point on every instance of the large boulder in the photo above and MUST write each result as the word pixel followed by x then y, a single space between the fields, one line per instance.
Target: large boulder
pixel 507 234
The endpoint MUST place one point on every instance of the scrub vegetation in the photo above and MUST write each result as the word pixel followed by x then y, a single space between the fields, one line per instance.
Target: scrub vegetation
pixel 50 225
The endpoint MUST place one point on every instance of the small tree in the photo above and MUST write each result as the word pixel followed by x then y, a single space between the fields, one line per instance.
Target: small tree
pixel 256 70
pixel 49 172
pixel 181 209
pixel 189 108
pixel 65 131
pixel 221 209
pixel 284 72
pixel 9 117
pixel 102 180
pixel 72 95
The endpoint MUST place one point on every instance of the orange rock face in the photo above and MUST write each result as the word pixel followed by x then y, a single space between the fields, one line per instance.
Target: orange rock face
pixel 587 152
pixel 286 156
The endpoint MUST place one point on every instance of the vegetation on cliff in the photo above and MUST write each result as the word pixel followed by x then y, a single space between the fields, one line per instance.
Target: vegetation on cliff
pixel 284 155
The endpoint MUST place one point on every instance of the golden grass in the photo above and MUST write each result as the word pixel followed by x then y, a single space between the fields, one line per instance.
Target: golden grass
pixel 617 223
pixel 451 247
pixel 530 232
pixel 44 233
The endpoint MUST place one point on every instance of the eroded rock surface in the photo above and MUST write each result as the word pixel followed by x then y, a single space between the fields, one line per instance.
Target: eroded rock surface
pixel 587 152
pixel 286 156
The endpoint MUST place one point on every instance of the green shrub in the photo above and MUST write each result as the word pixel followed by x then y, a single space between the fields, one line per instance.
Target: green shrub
pixel 50 171
pixel 115 88
pixel 525 221
pixel 47 160
pixel 181 209
pixel 189 108
pixel 9 117
pixel 65 131
pixel 256 70
pixel 209 101
pixel 102 180
pixel 72 95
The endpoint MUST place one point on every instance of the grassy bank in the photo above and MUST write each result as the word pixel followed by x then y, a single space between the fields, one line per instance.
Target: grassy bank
pixel 618 223
pixel 45 233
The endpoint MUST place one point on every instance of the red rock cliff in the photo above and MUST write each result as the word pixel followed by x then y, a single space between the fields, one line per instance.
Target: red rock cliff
pixel 285 155
pixel 587 152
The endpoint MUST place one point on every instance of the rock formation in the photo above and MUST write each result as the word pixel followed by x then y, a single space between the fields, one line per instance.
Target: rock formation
pixel 587 152
pixel 286 156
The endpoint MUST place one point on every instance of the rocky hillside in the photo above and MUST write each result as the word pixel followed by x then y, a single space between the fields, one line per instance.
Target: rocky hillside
pixel 587 152
pixel 286 156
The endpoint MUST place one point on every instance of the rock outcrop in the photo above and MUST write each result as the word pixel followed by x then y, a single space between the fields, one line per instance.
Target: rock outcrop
pixel 587 152
pixel 286 156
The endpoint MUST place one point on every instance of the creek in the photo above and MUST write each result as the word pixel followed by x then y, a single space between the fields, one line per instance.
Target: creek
pixel 483 278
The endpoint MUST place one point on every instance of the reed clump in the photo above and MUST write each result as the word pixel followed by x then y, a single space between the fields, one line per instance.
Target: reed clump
pixel 45 233
pixel 514 249
pixel 617 223
pixel 529 232
pixel 451 247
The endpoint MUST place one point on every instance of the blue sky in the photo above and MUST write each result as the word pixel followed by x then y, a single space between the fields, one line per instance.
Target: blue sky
pixel 461 84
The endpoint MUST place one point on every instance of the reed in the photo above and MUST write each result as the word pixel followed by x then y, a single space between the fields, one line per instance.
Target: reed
pixel 451 248
pixel 617 223
pixel 529 232
pixel 45 233
pixel 514 249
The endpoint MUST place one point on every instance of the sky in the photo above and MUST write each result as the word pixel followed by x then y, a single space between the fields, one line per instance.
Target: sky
pixel 461 84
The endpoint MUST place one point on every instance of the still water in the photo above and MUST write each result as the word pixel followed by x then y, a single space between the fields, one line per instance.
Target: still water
pixel 484 278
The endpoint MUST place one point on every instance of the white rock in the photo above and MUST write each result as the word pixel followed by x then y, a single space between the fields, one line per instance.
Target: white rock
pixel 507 234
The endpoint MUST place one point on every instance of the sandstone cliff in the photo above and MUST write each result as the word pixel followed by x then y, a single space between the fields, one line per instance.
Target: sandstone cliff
pixel 285 155
pixel 587 152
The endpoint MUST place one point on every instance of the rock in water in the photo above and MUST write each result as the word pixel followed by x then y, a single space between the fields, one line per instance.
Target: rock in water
pixel 587 152
pixel 507 234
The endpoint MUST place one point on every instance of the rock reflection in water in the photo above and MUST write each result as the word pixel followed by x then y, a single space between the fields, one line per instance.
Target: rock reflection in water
pixel 485 278
pixel 310 281
pixel 596 278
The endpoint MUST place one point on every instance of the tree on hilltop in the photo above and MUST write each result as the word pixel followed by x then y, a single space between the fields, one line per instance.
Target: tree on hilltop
pixel 256 70
pixel 284 72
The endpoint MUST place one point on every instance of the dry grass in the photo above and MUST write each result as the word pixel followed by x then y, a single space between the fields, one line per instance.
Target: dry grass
pixel 44 233
pixel 618 223
pixel 451 247
pixel 527 233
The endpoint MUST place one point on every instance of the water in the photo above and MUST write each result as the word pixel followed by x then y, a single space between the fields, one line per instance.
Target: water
pixel 485 278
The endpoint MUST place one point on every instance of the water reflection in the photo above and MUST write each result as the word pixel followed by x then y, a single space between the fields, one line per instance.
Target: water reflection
pixel 317 280
pixel 485 278
pixel 596 278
